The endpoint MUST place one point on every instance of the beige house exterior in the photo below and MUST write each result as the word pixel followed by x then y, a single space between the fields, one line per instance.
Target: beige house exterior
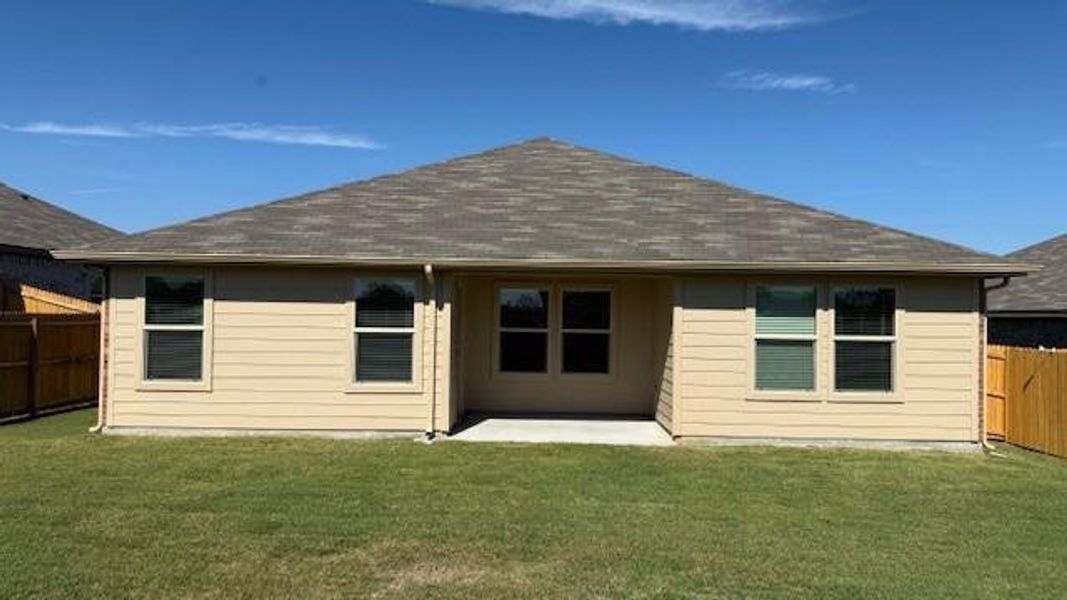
pixel 278 356
pixel 709 349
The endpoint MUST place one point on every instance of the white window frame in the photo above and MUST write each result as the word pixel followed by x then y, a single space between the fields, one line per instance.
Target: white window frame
pixel 816 394
pixel 610 331
pixel 893 395
pixel 415 384
pixel 203 384
pixel 500 329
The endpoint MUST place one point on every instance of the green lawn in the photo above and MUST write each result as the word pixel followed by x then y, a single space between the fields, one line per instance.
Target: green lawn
pixel 93 516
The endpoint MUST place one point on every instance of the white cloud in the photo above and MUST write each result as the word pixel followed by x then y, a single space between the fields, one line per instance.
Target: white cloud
pixel 703 15
pixel 789 82
pixel 95 191
pixel 50 128
pixel 245 132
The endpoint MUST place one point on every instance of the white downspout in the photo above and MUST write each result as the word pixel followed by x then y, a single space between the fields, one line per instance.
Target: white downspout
pixel 101 390
pixel 1004 282
pixel 427 270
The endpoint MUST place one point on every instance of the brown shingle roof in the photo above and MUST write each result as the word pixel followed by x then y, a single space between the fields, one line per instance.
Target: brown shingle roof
pixel 1045 291
pixel 32 223
pixel 542 200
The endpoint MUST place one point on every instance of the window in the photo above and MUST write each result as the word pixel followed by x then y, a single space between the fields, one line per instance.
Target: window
pixel 384 330
pixel 523 330
pixel 864 338
pixel 174 328
pixel 785 338
pixel 586 331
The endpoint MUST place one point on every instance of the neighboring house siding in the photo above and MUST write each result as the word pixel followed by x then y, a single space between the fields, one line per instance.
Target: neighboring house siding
pixel 937 372
pixel 1032 332
pixel 629 389
pixel 44 272
pixel 280 358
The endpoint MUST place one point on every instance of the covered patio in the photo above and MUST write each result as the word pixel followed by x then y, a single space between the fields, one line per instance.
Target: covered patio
pixel 561 357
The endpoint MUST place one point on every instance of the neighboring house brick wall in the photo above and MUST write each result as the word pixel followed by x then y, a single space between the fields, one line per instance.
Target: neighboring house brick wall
pixel 1031 332
pixel 44 272
pixel 937 378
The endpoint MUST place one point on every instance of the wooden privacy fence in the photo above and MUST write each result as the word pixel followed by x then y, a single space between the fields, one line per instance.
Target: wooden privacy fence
pixel 995 390
pixel 47 362
pixel 25 298
pixel 1030 387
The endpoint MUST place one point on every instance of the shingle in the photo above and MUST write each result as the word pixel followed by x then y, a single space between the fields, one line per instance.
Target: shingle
pixel 544 199
pixel 29 222
pixel 1044 291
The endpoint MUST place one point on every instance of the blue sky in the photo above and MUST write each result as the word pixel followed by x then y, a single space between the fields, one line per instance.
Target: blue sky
pixel 945 118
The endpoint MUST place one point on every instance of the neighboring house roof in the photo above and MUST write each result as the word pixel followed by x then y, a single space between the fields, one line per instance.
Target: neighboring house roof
pixel 1045 291
pixel 544 203
pixel 34 224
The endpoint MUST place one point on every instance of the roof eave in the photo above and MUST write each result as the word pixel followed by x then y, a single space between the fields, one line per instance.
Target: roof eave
pixel 989 270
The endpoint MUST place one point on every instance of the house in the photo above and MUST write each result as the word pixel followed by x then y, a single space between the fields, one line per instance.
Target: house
pixel 542 278
pixel 1032 311
pixel 29 275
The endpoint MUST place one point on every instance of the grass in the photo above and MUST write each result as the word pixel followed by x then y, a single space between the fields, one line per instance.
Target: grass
pixel 92 516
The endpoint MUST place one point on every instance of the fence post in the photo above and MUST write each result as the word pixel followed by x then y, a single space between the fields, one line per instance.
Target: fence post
pixel 33 360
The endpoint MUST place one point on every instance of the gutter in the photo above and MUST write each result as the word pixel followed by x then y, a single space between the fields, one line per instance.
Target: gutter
pixel 989 269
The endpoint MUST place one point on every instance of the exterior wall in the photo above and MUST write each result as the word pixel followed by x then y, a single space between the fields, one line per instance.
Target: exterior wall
pixel 279 346
pixel 937 381
pixel 631 388
pixel 665 334
pixel 279 341
pixel 45 272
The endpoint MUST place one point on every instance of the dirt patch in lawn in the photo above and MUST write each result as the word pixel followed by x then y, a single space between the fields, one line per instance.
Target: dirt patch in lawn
pixel 405 567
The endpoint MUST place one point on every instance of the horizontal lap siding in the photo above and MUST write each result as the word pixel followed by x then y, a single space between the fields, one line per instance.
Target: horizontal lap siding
pixel 665 334
pixel 937 377
pixel 280 359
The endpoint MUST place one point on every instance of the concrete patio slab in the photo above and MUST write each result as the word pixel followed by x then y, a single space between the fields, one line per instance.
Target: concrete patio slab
pixel 564 430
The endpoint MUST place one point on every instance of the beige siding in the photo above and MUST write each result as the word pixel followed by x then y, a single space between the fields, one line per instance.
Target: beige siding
pixel 445 415
pixel 281 342
pixel 937 376
pixel 664 347
pixel 630 389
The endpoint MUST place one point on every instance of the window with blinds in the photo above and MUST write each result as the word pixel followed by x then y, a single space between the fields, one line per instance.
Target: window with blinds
pixel 173 328
pixel 864 339
pixel 785 338
pixel 384 330
pixel 523 342
pixel 586 331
